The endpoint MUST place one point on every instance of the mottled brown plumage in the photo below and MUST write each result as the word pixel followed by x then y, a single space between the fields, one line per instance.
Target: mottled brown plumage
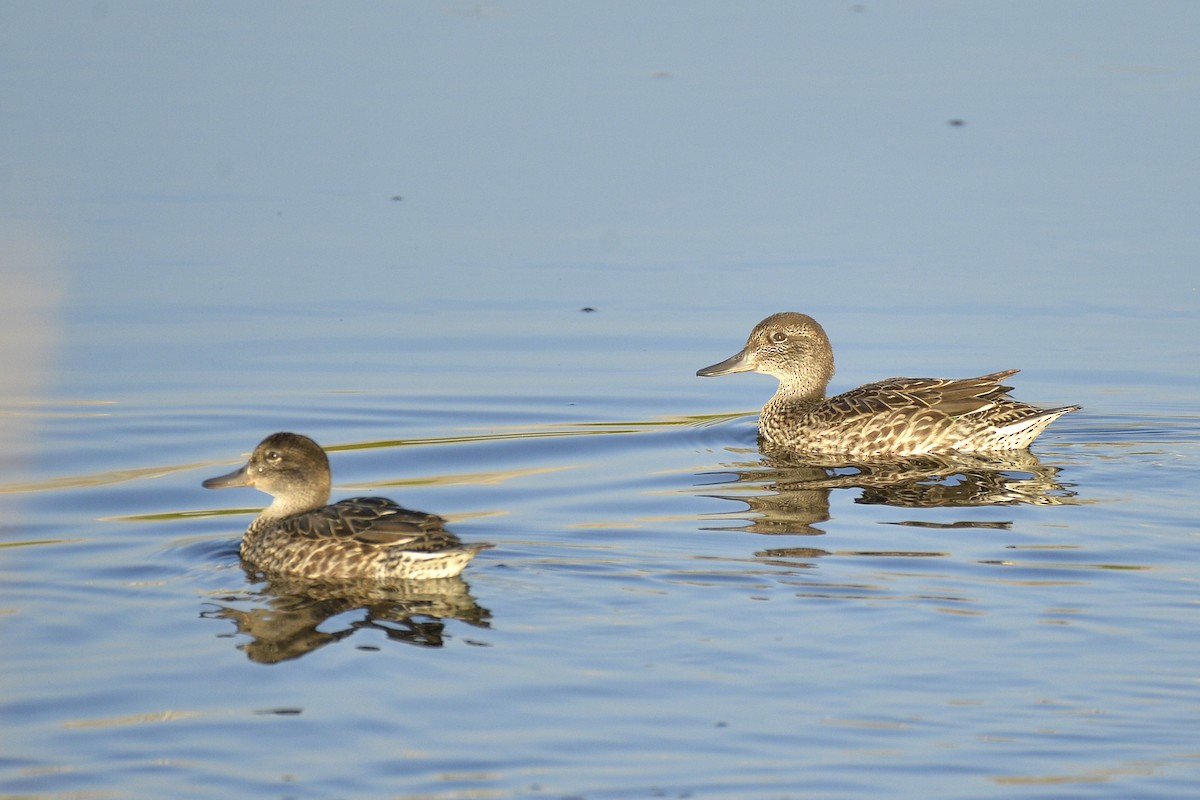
pixel 363 537
pixel 897 416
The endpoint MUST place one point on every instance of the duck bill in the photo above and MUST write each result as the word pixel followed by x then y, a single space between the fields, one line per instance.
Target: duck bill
pixel 742 362
pixel 239 477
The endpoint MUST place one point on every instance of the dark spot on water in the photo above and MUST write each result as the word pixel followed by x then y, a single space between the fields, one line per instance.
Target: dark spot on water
pixel 587 309
pixel 282 712
pixel 396 198
pixel 369 648
pixel 956 123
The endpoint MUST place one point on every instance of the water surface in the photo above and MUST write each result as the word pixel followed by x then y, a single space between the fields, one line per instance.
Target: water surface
pixel 382 228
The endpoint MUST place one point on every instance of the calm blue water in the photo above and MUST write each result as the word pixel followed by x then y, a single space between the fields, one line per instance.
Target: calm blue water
pixel 379 227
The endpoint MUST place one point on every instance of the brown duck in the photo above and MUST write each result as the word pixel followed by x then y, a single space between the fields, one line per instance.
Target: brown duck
pixel 363 537
pixel 893 417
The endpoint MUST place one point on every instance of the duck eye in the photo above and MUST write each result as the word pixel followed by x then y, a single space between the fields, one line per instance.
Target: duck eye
pixel 273 456
pixel 778 337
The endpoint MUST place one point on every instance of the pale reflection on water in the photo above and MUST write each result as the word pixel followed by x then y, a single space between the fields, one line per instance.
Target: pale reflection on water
pixel 31 295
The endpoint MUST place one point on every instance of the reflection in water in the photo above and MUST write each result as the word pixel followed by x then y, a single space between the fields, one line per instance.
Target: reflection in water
pixel 794 489
pixel 30 327
pixel 291 618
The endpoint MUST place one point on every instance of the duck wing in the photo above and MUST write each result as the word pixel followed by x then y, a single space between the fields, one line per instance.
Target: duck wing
pixel 951 396
pixel 375 521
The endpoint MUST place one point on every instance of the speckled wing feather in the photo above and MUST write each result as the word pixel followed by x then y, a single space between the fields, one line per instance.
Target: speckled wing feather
pixel 374 521
pixel 953 397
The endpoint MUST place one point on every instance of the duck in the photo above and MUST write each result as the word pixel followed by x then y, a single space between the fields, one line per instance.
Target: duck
pixel 301 535
pixel 892 417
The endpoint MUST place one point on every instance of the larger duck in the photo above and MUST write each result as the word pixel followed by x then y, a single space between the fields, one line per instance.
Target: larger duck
pixel 893 417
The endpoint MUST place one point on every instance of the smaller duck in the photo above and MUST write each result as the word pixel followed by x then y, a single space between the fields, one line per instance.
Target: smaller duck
pixel 363 537
pixel 893 417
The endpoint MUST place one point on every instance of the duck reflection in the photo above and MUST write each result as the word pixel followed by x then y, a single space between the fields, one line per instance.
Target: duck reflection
pixel 289 618
pixel 792 490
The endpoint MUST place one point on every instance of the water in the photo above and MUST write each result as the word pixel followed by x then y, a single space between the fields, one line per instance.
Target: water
pixel 200 247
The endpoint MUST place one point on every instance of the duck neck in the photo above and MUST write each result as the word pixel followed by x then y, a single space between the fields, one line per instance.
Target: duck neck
pixel 295 501
pixel 788 408
pixel 798 392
